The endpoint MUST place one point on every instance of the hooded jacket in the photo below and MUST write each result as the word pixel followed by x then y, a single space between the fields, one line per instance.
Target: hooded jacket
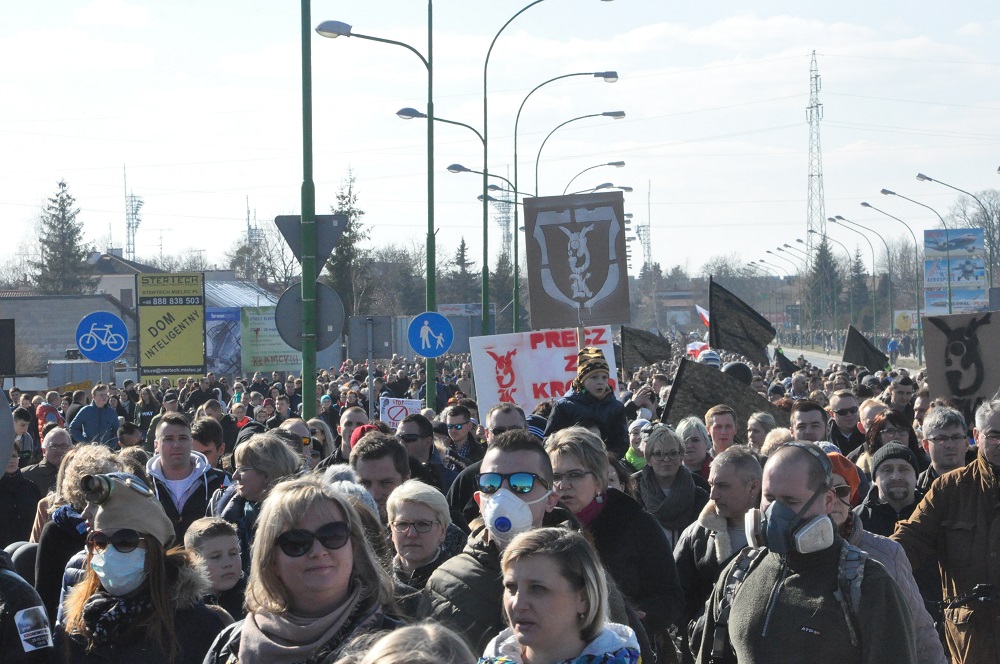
pixel 616 644
pixel 192 504
pixel 25 635
pixel 608 413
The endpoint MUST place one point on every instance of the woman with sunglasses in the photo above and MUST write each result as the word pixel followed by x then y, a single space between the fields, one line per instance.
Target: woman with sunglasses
pixel 315 583
pixel 890 427
pixel 137 602
pixel 556 602
pixel 322 435
pixel 665 487
pixel 644 570
pixel 846 482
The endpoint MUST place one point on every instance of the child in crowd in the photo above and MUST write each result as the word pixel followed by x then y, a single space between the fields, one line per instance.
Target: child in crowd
pixel 214 542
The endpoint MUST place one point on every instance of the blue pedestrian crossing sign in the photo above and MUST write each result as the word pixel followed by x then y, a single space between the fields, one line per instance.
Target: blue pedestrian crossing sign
pixel 101 336
pixel 430 334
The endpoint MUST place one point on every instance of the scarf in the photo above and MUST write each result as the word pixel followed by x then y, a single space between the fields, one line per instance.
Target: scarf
pixel 69 520
pixel 107 617
pixel 590 513
pixel 635 459
pixel 287 638
pixel 671 511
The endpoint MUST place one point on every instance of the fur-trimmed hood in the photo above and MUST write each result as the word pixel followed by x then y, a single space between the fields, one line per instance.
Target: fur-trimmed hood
pixel 710 520
pixel 188 579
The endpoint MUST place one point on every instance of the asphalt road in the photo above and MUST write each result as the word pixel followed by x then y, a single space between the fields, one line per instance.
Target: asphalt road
pixel 818 358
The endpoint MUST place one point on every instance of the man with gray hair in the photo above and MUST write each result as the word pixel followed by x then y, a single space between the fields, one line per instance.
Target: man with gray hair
pixel 946 440
pixel 959 521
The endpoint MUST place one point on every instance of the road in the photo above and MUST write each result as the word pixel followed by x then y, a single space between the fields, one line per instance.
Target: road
pixel 818 358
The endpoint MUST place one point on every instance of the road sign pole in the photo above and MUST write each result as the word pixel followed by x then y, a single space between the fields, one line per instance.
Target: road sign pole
pixel 308 227
pixel 371 367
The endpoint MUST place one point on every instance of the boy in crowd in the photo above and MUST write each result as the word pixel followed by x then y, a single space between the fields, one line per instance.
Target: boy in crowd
pixel 214 543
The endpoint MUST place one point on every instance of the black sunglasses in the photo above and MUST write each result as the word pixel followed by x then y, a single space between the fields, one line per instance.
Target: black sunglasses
pixel 124 541
pixel 409 437
pixel 518 482
pixel 496 431
pixel 298 542
pixel 846 411
pixel 843 491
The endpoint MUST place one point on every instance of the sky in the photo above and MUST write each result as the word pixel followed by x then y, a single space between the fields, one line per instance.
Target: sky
pixel 200 104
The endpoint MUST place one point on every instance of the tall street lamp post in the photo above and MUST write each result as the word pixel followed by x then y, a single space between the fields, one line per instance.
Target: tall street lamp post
pixel 888 263
pixel 870 246
pixel 986 214
pixel 335 29
pixel 947 246
pixel 616 164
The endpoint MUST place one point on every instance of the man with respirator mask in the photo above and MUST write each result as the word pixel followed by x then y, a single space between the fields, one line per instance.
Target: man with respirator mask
pixel 800 593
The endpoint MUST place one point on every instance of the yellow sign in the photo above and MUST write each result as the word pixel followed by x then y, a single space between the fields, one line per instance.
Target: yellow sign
pixel 171 327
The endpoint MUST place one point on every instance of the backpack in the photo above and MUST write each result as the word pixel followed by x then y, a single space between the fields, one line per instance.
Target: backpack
pixel 850 574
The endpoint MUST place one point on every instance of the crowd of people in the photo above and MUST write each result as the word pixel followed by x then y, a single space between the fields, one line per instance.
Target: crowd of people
pixel 199 520
pixel 898 344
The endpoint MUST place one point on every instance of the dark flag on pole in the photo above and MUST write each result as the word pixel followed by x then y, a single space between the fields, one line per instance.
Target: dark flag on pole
pixel 641 348
pixel 858 350
pixel 735 326
pixel 785 365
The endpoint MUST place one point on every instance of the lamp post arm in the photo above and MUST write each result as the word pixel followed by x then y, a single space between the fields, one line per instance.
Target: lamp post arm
pixel 462 124
pixel 542 146
pixel 578 175
pixel 420 55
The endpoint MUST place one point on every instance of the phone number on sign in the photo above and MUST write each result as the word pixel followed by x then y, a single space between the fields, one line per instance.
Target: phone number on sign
pixel 155 301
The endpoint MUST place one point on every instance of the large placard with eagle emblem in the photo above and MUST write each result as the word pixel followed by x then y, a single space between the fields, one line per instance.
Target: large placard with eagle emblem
pixel 577 267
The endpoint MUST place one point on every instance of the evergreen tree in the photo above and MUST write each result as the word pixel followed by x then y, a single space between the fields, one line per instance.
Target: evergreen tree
pixel 62 268
pixel 501 292
pixel 461 284
pixel 824 285
pixel 344 269
pixel 859 293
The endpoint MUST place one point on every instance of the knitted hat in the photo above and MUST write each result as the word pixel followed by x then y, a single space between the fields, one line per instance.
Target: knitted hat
pixel 637 424
pixel 169 396
pixel 267 402
pixel 845 468
pixel 894 451
pixel 124 501
pixel 325 397
pixel 536 426
pixel 360 432
pixel 590 361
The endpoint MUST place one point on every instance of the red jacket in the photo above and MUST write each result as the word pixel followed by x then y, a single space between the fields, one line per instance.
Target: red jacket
pixel 43 413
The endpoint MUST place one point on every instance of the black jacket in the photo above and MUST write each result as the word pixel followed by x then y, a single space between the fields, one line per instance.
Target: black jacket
pixel 18 501
pixel 880 518
pixel 56 545
pixel 25 634
pixel 609 413
pixel 196 505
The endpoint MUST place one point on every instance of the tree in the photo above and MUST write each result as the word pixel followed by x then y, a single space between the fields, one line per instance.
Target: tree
pixel 394 280
pixel 461 284
pixel 858 293
pixel 968 214
pixel 265 259
pixel 501 291
pixel 823 288
pixel 62 268
pixel 345 269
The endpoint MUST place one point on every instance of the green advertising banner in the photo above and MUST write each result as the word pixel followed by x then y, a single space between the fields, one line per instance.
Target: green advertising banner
pixel 263 349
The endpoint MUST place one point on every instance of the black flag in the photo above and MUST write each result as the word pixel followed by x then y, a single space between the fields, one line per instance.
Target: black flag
pixel 735 326
pixel 858 350
pixel 641 348
pixel 785 365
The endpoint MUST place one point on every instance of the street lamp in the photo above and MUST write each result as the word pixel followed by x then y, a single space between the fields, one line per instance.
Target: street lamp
pixel 616 115
pixel 616 164
pixel 986 213
pixel 334 29
pixel 850 263
pixel 870 246
pixel 604 185
pixel 947 247
pixel 916 273
pixel 459 168
pixel 888 262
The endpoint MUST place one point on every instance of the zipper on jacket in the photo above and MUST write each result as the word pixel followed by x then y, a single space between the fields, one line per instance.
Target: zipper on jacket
pixel 775 592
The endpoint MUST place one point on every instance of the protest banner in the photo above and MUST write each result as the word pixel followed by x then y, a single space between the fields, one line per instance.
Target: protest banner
pixel 263 349
pixel 392 411
pixel 527 368
pixel 171 328
pixel 963 359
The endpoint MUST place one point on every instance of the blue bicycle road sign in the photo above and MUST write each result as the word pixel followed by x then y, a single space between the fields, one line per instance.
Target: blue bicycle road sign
pixel 101 336
pixel 430 334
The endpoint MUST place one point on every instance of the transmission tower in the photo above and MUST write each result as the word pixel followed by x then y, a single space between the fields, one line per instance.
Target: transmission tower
pixel 133 204
pixel 644 232
pixel 816 210
pixel 502 201
pixel 254 234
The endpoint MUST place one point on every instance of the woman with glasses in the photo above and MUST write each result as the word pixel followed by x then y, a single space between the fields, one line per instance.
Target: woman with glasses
pixel 846 482
pixel 418 520
pixel 644 569
pixel 890 427
pixel 556 602
pixel 137 601
pixel 694 435
pixel 315 583
pixel 665 487
pixel 322 435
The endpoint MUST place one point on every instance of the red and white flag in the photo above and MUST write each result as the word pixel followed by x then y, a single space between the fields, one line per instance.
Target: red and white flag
pixel 703 313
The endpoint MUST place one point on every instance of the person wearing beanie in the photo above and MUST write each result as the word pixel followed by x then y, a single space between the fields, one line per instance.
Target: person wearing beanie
pixel 592 398
pixel 138 600
pixel 894 494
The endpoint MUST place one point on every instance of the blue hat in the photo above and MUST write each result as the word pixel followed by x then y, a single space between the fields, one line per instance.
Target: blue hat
pixel 326 397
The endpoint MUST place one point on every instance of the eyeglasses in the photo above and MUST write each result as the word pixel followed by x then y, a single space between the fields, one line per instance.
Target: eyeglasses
pixel 949 439
pixel 419 526
pixel 518 482
pixel 572 477
pixel 898 433
pixel 496 431
pixel 846 411
pixel 298 542
pixel 992 436
pixel 670 456
pixel 409 437
pixel 457 427
pixel 843 491
pixel 125 540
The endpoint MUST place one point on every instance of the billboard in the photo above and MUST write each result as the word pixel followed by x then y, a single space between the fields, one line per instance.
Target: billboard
pixel 964 272
pixel 955 257
pixel 171 327
pixel 962 301
pixel 222 340
pixel 527 368
pixel 905 320
pixel 262 348
pixel 954 243
pixel 577 268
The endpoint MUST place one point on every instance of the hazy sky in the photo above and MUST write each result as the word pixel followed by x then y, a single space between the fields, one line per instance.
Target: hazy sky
pixel 201 101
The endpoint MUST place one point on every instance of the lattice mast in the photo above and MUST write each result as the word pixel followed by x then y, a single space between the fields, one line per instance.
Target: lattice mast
pixel 133 204
pixel 815 207
pixel 502 201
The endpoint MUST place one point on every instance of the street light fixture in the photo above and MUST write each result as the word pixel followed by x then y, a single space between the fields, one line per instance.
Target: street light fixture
pixel 986 213
pixel 888 263
pixel 947 248
pixel 916 274
pixel 334 29
pixel 616 115
pixel 872 247
pixel 616 164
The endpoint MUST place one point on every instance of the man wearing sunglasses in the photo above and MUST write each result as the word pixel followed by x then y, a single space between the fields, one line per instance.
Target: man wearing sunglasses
pixel 463 442
pixel 416 433
pixel 844 415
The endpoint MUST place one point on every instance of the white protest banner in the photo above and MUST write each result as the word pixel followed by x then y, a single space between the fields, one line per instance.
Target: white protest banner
pixel 392 411
pixel 527 368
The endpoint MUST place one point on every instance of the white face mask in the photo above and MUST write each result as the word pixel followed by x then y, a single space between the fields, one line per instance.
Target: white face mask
pixel 120 573
pixel 506 515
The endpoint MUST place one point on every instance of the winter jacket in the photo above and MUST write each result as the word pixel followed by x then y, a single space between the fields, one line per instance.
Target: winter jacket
pixel 893 558
pixel 195 627
pixel 958 520
pixel 608 413
pixel 786 611
pixel 194 501
pixel 678 510
pixel 25 634
pixel 880 518
pixel 43 475
pixel 18 499
pixel 62 538
pixel 96 425
pixel 644 569
pixel 616 644
pixel 46 413
pixel 194 399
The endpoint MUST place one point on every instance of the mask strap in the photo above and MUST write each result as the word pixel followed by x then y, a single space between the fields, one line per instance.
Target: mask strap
pixel 819 492
pixel 538 500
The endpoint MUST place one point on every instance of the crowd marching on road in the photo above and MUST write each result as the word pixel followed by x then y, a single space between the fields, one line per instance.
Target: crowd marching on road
pixel 203 520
